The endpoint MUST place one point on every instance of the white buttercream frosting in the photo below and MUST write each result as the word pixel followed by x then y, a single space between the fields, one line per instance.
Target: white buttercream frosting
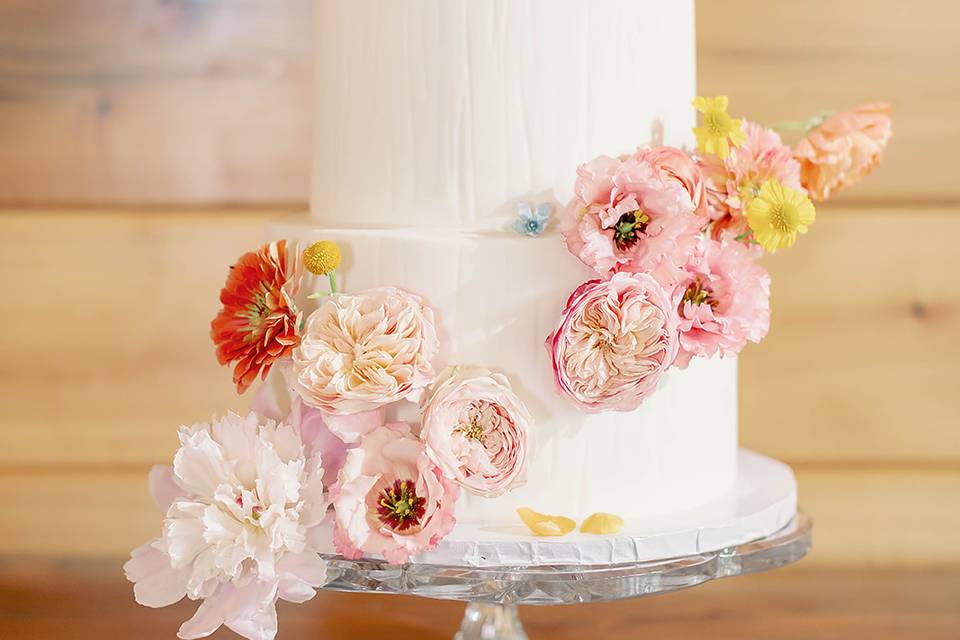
pixel 446 112
pixel 496 298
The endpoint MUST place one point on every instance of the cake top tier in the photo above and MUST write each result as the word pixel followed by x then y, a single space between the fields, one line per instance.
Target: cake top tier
pixel 449 112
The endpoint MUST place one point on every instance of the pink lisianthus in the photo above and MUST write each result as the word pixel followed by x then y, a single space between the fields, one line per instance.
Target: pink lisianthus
pixel 361 351
pixel 723 301
pixel 390 499
pixel 476 430
pixel 614 341
pixel 242 503
pixel 731 183
pixel 632 214
pixel 844 149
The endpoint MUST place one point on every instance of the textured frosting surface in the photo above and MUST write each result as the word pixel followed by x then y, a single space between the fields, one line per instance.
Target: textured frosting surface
pixel 497 297
pixel 446 112
pixel 434 118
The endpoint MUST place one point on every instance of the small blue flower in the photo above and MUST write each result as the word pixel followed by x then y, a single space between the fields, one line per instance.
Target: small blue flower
pixel 529 222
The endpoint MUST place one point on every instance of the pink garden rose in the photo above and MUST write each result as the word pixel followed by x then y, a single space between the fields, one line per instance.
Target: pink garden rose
pixel 731 183
pixel 632 214
pixel 723 301
pixel 615 339
pixel 390 499
pixel 676 164
pixel 476 430
pixel 241 506
pixel 361 351
pixel 844 149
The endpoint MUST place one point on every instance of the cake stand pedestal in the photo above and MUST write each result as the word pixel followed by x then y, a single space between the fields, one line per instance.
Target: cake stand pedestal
pixel 493 593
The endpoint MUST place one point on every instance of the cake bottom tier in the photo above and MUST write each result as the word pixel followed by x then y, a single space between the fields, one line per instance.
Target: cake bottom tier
pixel 496 296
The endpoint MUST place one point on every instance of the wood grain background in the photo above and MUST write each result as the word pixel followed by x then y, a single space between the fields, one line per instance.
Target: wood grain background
pixel 146 142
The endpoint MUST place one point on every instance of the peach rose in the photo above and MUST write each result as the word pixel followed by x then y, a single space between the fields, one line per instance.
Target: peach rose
pixel 844 149
pixel 615 340
pixel 361 351
pixel 390 499
pixel 476 430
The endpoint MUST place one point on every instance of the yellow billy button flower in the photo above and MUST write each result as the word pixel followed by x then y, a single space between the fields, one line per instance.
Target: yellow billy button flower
pixel 323 258
pixel 719 131
pixel 602 523
pixel 543 525
pixel 778 214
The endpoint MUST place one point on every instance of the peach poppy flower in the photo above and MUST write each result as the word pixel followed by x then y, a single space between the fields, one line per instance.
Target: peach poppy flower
pixel 843 149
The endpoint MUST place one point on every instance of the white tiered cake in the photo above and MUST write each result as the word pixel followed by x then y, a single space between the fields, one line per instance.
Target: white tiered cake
pixel 434 119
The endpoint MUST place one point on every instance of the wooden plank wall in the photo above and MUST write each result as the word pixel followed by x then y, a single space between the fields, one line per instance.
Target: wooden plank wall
pixel 129 126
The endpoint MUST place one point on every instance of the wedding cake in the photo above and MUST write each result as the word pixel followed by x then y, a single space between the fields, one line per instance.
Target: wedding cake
pixel 506 333
pixel 434 121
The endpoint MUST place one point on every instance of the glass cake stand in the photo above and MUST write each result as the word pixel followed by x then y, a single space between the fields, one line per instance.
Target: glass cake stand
pixel 493 593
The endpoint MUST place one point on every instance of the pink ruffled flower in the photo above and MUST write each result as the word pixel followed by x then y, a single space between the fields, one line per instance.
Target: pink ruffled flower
pixel 844 149
pixel 241 504
pixel 477 430
pixel 390 499
pixel 361 351
pixel 615 339
pixel 723 301
pixel 633 215
pixel 731 183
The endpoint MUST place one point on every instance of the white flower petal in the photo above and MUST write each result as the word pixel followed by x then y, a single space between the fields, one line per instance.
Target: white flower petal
pixel 156 582
pixel 300 575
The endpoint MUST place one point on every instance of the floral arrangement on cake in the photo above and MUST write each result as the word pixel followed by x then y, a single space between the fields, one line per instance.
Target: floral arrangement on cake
pixel 674 237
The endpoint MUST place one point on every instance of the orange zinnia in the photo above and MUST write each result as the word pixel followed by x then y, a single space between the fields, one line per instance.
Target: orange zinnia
pixel 259 322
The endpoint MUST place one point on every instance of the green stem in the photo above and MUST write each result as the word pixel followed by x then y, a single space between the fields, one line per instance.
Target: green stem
pixel 802 125
pixel 332 277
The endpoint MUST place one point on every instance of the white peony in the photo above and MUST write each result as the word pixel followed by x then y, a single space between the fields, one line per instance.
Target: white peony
pixel 241 502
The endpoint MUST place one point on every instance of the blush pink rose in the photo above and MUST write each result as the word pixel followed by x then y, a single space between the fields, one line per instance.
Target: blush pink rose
pixel 614 341
pixel 630 214
pixel 844 149
pixel 361 351
pixel 477 430
pixel 732 182
pixel 676 164
pixel 723 301
pixel 390 500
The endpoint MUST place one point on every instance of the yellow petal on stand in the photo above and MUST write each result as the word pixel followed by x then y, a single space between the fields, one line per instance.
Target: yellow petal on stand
pixel 602 524
pixel 543 525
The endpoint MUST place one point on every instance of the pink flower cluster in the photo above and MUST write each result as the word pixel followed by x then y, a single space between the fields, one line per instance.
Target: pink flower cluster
pixel 667 291
pixel 668 234
pixel 246 496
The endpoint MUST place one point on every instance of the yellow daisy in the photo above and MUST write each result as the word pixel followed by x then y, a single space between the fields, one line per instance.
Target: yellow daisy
pixel 719 130
pixel 778 214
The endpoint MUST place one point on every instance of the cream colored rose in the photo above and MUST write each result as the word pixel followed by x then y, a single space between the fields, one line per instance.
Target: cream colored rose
pixel 364 350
